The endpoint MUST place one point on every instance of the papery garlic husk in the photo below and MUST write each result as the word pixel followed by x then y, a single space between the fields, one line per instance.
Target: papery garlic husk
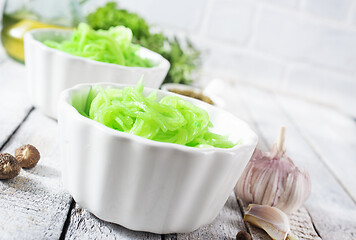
pixel 271 178
pixel 271 219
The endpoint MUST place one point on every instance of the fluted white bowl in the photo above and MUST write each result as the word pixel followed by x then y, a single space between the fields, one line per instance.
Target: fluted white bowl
pixel 49 71
pixel 147 185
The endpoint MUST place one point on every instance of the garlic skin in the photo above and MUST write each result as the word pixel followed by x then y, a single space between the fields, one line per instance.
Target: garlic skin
pixel 271 178
pixel 271 219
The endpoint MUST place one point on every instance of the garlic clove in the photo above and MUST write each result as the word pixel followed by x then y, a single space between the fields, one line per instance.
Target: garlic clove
pixel 297 189
pixel 271 219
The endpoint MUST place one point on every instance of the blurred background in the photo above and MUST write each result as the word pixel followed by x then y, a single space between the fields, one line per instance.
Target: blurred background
pixel 305 48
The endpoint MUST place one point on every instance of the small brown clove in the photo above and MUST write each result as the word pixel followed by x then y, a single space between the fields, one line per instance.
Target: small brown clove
pixel 243 235
pixel 27 156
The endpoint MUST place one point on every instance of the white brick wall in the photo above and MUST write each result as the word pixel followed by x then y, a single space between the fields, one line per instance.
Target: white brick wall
pixel 330 9
pixel 244 65
pixel 230 21
pixel 302 47
pixel 287 3
pixel 291 35
pixel 183 14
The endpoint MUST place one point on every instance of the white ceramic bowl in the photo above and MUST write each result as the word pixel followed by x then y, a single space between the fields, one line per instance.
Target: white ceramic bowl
pixel 49 71
pixel 143 184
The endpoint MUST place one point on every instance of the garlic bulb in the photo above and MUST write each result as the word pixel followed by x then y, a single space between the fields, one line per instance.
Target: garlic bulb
pixel 271 178
pixel 271 219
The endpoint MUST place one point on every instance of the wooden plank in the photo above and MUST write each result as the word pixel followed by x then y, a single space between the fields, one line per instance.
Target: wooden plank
pixel 34 204
pixel 234 104
pixel 332 210
pixel 84 225
pixel 331 134
pixel 302 225
pixel 13 97
pixel 227 224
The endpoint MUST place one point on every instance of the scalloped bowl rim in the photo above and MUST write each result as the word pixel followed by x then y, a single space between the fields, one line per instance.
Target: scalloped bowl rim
pixel 66 97
pixel 30 35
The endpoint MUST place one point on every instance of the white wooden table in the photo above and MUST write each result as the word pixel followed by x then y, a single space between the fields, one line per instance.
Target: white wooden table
pixel 34 205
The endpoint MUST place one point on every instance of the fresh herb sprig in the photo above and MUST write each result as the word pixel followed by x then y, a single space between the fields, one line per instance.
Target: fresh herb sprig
pixel 183 60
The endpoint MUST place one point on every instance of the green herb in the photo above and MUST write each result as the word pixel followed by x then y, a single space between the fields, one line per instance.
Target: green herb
pixel 111 46
pixel 183 60
pixel 171 120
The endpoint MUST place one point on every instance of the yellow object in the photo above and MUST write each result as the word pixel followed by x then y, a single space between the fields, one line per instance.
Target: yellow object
pixel 12 36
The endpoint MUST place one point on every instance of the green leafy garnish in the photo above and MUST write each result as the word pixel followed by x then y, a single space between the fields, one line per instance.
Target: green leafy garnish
pixel 110 46
pixel 183 60
pixel 171 119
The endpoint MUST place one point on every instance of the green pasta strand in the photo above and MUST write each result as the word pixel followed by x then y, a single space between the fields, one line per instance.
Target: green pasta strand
pixel 110 46
pixel 171 119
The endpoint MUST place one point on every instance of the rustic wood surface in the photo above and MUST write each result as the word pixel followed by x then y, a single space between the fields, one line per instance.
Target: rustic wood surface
pixel 332 136
pixel 332 209
pixel 84 225
pixel 34 205
pixel 301 218
pixel 227 224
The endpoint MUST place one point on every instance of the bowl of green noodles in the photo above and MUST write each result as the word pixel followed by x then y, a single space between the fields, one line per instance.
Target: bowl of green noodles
pixel 147 159
pixel 57 59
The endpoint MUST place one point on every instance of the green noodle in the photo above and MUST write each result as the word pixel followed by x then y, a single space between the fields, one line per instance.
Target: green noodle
pixel 171 120
pixel 110 46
